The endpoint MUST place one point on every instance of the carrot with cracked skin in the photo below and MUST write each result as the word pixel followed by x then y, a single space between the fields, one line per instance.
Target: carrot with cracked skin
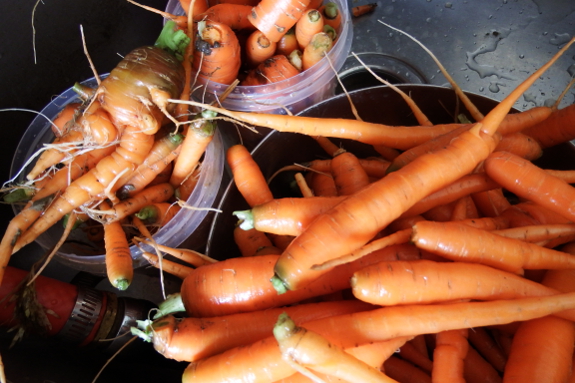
pixel 191 339
pixel 275 17
pixel 309 350
pixel 118 258
pixel 529 181
pixel 217 56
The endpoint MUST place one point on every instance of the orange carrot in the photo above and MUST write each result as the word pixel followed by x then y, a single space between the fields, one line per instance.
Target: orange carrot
pixel 411 354
pixel 275 17
pixel 566 175
pixel 198 136
pixel 464 208
pixel 348 174
pixel 527 180
pixel 553 130
pixel 285 216
pixel 310 23
pixel 481 339
pixel 307 349
pixel 478 370
pixel 158 214
pixel 275 69
pixel 248 176
pixel 191 339
pixel 119 264
pixel 168 266
pixel 331 14
pixel 65 119
pixel 319 45
pixel 448 356
pixel 233 15
pixel 190 257
pixel 199 6
pixel 252 241
pixel 258 48
pixel 423 281
pixel 491 203
pixel 323 185
pixel 217 56
pixel 521 145
pixel 360 10
pixel 557 234
pixel 287 44
pixel 303 187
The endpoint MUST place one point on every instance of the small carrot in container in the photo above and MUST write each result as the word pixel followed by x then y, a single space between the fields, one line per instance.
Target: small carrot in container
pixel 319 45
pixel 331 14
pixel 287 44
pixel 233 15
pixel 304 349
pixel 188 185
pixel 258 48
pixel 363 9
pixel 217 55
pixel 275 17
pixel 157 214
pixel 198 7
pixel 165 265
pixel 119 264
pixel 275 69
pixel 310 23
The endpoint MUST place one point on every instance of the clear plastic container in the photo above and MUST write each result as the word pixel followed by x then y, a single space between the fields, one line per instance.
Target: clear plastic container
pixel 296 93
pixel 79 252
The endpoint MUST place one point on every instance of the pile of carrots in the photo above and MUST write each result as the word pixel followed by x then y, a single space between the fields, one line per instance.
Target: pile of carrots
pixel 449 258
pixel 259 42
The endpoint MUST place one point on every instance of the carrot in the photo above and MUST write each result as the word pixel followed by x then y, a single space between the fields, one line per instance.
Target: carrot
pixel 404 371
pixel 307 349
pixel 190 257
pixel 275 69
pixel 323 185
pixel 527 180
pixel 464 208
pixel 188 185
pixel 285 216
pixel 491 203
pixel 481 339
pixel 331 14
pixel 168 266
pixel 327 145
pixel 191 339
pixel 213 290
pixel 474 245
pixel 556 233
pixel 275 17
pixel 423 281
pixel 541 351
pixel 198 136
pixel 566 175
pixel 348 174
pixel 411 354
pixel 129 206
pixel 258 48
pixel 119 264
pixel 316 49
pixel 198 7
pixel 360 10
pixel 553 130
pixel 157 214
pixel 233 15
pixel 217 55
pixel 303 187
pixel 251 242
pixel 310 23
pixel 448 356
pixel 287 44
pixel 521 145
pixel 248 176
pixel 162 153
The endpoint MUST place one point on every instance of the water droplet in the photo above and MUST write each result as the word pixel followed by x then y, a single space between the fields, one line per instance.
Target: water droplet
pixel 481 89
pixel 428 19
pixel 448 5
pixel 490 17
pixel 529 97
pixel 560 38
pixel 494 87
pixel 521 56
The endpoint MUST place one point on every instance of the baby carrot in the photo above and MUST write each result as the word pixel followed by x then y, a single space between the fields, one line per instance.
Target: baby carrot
pixel 248 176
pixel 167 266
pixel 307 349
pixel 287 44
pixel 360 10
pixel 331 14
pixel 119 264
pixel 310 23
pixel 258 48
pixel 319 45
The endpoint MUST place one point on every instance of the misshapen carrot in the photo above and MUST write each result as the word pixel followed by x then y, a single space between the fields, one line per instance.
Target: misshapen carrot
pixel 275 17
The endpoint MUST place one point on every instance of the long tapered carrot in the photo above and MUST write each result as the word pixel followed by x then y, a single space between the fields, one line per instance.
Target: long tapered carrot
pixel 119 264
pixel 531 182
pixel 460 242
pixel 307 349
pixel 191 339
pixel 168 266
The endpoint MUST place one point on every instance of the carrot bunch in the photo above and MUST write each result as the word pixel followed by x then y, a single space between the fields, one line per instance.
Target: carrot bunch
pixel 463 255
pixel 116 156
pixel 263 43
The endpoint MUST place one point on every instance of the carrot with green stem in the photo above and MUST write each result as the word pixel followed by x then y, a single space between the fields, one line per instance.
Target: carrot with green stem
pixel 331 14
pixel 303 349
pixel 310 23
pixel 191 339
pixel 157 214
pixel 119 264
